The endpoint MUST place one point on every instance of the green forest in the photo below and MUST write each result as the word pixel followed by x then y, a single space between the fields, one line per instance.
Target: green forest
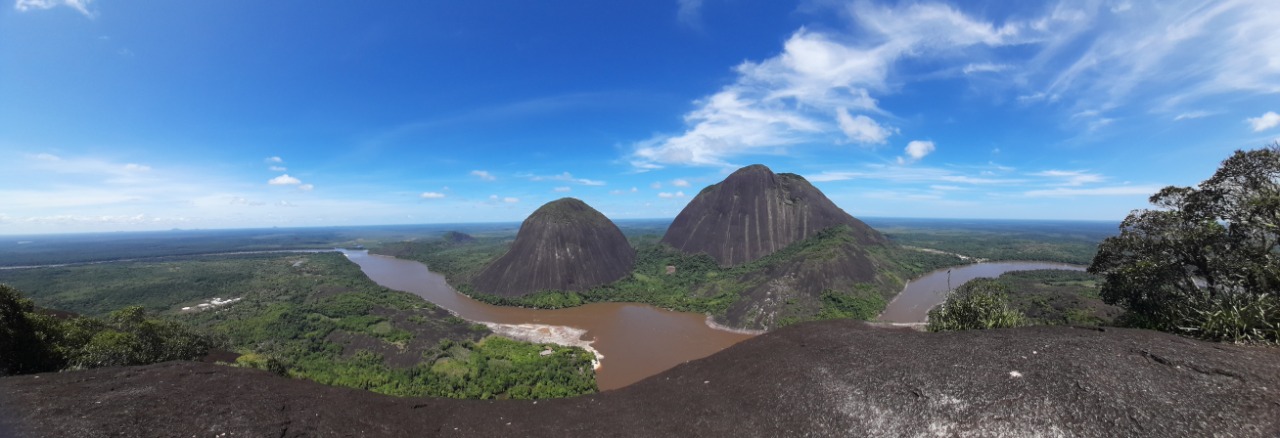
pixel 316 316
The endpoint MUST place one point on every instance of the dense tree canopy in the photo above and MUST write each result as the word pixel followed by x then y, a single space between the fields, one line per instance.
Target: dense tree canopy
pixel 1206 260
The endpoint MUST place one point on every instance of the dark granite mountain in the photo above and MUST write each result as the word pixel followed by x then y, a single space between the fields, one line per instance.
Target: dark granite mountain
pixel 564 245
pixel 836 378
pixel 755 212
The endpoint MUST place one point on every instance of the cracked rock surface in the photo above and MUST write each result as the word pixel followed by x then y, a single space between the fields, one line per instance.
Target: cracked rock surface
pixel 835 378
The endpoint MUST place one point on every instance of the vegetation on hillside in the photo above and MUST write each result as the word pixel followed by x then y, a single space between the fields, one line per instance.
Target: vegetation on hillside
pixel 1206 261
pixel 33 342
pixel 695 284
pixel 316 316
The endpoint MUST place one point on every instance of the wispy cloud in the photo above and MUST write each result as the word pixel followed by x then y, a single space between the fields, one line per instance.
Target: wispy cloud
pixel 431 195
pixel 484 175
pixel 678 194
pixel 680 183
pixel 1093 191
pixel 1265 121
pixel 689 13
pixel 1191 115
pixel 278 169
pixel 912 174
pixel 81 6
pixel 567 177
pixel 819 88
pixel 1071 177
pixel 562 189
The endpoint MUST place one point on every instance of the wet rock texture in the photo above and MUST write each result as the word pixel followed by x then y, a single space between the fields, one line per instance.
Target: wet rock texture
pixel 834 378
pixel 755 212
pixel 564 245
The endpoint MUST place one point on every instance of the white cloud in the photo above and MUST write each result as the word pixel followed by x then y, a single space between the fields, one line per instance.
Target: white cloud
pixel 984 67
pixel 860 128
pixel 1190 115
pixel 679 194
pixel 1096 191
pixel 431 195
pixel 1072 177
pixel 1265 121
pixel 307 187
pixel 910 174
pixel 916 150
pixel 79 5
pixel 562 189
pixel 484 175
pixel 656 185
pixel 274 160
pixel 277 168
pixel 283 180
pixel 680 183
pixel 567 177
pixel 510 200
pixel 134 167
pixel 689 12
pixel 807 93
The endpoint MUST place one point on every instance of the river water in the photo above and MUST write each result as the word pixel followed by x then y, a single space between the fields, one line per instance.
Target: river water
pixel 922 294
pixel 636 341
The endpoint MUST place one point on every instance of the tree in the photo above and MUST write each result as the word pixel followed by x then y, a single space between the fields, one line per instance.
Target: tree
pixel 1206 260
pixel 979 304
pixel 25 337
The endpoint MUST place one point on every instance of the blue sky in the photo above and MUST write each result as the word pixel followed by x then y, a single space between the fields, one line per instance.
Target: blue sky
pixel 132 115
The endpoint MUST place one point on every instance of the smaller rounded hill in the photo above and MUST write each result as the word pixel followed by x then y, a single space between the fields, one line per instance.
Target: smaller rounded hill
pixel 564 245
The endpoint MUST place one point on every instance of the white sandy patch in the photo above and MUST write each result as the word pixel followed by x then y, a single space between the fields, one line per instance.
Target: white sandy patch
pixel 547 334
pixel 711 322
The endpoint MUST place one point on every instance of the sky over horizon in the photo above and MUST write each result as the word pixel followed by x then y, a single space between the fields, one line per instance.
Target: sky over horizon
pixel 128 115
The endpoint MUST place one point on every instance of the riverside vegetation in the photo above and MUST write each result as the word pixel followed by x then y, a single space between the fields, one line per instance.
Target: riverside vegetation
pixel 312 316
pixel 1204 263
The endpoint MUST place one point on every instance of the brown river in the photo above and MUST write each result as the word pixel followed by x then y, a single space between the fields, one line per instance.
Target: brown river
pixel 635 341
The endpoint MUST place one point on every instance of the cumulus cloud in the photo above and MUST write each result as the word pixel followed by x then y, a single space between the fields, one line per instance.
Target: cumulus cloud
pixel 484 175
pixel 810 92
pixel 680 183
pixel 861 129
pixel 916 150
pixel 431 195
pixel 678 194
pixel 1265 121
pixel 81 6
pixel 284 180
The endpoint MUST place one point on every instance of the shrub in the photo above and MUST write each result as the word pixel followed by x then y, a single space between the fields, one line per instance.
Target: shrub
pixel 979 304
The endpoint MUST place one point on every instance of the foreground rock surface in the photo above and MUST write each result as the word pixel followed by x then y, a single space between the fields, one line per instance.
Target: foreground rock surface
pixel 838 378
pixel 563 245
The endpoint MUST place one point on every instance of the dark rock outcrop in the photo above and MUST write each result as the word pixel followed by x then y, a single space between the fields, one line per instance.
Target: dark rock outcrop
pixel 837 378
pixel 457 237
pixel 755 212
pixel 564 245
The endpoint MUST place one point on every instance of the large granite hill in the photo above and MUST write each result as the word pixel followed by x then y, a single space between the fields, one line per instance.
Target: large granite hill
pixel 563 245
pixel 755 212
pixel 836 378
